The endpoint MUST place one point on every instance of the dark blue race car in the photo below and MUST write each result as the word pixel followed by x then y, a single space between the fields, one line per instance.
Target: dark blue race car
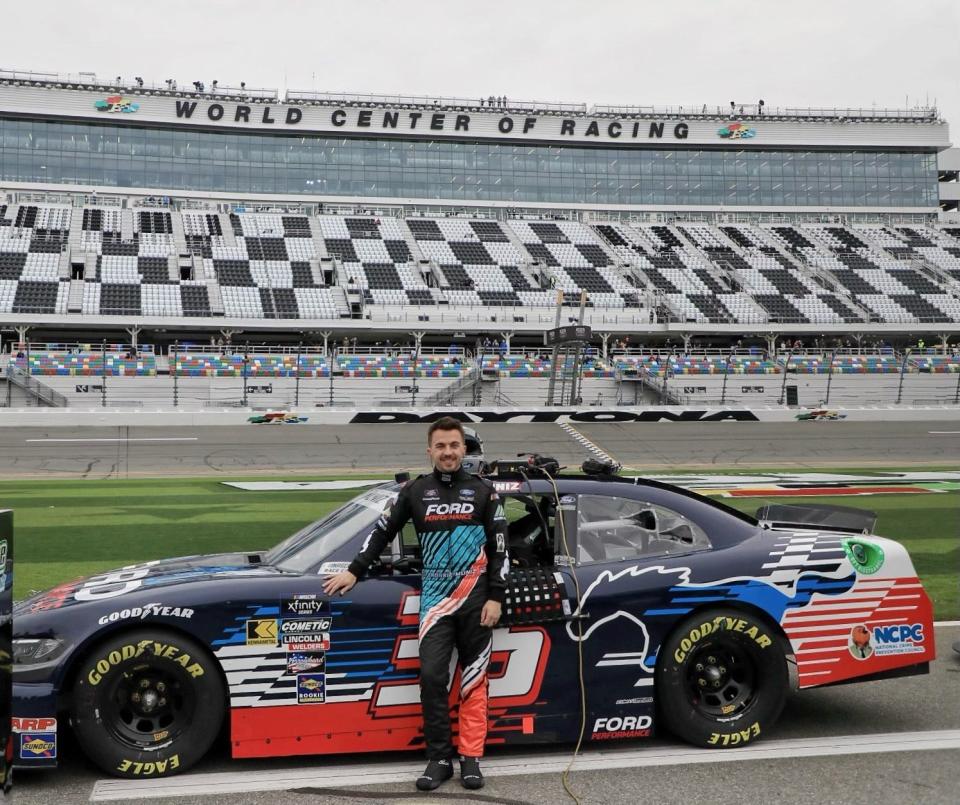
pixel 687 615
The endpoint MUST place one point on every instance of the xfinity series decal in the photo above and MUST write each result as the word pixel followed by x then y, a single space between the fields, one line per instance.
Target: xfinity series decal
pixel 304 606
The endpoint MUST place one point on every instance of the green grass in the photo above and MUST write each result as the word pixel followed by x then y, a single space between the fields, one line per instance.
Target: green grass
pixel 67 528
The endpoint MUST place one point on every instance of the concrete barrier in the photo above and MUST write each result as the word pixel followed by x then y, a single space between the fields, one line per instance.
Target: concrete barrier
pixel 140 417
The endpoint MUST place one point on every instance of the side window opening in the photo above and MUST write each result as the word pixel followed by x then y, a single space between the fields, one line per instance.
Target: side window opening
pixel 619 528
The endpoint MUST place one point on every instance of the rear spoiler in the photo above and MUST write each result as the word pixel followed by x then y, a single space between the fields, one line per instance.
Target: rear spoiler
pixel 830 518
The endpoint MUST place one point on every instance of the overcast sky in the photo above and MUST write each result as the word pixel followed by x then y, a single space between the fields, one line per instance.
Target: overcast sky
pixel 816 53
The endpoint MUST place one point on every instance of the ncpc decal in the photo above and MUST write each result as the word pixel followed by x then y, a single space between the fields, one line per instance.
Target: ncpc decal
pixel 886 640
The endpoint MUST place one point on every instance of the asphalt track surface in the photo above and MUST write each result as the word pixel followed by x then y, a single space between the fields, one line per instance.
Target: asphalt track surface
pixel 119 452
pixel 853 712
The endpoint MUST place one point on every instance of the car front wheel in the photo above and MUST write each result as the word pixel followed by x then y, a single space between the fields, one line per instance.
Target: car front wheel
pixel 147 704
pixel 722 679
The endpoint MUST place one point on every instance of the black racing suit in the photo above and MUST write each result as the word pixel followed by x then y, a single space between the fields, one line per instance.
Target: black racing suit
pixel 463 539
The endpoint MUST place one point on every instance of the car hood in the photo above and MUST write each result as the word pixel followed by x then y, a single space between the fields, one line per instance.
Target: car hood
pixel 130 579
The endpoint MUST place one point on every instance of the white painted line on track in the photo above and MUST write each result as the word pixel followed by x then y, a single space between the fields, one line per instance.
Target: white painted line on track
pixel 119 439
pixel 348 776
pixel 943 431
pixel 577 436
pixel 946 623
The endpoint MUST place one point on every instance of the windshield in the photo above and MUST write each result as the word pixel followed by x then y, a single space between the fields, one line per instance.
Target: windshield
pixel 319 540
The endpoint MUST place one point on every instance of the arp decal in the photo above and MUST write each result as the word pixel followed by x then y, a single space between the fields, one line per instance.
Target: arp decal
pixel 30 724
pixel 38 745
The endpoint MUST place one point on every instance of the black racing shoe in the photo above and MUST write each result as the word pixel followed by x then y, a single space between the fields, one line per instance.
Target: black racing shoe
pixel 470 774
pixel 437 772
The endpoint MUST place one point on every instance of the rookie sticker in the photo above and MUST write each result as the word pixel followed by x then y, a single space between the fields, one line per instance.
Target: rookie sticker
pixel 311 688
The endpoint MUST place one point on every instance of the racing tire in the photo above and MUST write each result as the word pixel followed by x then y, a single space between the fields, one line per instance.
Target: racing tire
pixel 722 679
pixel 147 704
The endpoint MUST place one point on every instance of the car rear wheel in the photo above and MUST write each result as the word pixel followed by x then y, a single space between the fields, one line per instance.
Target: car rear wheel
pixel 147 704
pixel 722 679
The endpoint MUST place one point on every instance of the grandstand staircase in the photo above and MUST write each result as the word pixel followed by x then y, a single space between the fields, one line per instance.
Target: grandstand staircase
pixel 75 297
pixel 126 225
pixel 229 236
pixel 318 242
pixel 74 241
pixel 179 236
pixel 39 393
pixel 214 297
pixel 411 241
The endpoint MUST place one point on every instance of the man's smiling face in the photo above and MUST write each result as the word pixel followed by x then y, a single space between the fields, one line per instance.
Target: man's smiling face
pixel 446 450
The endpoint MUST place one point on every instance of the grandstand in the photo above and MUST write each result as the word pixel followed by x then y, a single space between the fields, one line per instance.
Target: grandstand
pixel 344 217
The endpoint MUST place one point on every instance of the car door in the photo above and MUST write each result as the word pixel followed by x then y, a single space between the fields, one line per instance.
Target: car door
pixel 626 554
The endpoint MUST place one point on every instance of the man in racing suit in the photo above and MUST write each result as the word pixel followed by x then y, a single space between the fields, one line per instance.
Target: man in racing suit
pixel 463 540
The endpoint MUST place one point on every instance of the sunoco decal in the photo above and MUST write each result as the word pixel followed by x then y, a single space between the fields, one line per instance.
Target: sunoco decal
pixel 38 745
pixel 311 688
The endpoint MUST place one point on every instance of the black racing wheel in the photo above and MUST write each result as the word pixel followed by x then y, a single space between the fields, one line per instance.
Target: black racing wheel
pixel 147 703
pixel 722 679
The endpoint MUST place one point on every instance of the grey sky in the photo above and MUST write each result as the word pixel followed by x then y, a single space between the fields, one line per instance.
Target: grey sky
pixel 815 53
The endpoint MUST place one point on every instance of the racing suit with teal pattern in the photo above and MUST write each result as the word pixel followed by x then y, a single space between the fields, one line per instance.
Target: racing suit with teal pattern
pixel 462 531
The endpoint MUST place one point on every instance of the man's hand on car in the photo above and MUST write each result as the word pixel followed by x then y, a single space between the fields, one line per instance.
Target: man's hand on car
pixel 339 583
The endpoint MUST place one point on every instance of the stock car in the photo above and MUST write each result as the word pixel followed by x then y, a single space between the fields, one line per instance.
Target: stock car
pixel 688 616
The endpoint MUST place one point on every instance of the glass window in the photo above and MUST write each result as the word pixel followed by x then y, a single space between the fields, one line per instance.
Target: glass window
pixel 611 528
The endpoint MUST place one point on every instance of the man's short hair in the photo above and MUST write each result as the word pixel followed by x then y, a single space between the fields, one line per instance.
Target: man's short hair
pixel 446 423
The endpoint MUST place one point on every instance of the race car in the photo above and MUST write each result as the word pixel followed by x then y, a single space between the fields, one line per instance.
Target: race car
pixel 688 616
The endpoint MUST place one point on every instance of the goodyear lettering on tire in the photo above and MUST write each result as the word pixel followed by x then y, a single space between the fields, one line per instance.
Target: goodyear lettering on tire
pixel 718 624
pixel 130 651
